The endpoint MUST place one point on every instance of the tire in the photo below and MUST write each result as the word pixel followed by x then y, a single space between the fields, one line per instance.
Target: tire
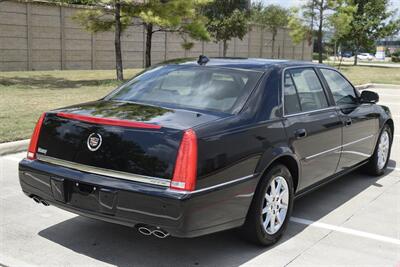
pixel 375 166
pixel 253 229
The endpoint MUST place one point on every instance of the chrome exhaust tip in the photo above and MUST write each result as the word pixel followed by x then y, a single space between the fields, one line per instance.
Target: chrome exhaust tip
pixel 44 202
pixel 159 233
pixel 36 199
pixel 40 200
pixel 145 231
pixel 151 230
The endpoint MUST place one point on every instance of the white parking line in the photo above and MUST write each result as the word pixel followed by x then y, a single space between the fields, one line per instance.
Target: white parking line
pixel 9 261
pixel 383 94
pixel 389 103
pixel 346 230
pixel 393 168
pixel 12 158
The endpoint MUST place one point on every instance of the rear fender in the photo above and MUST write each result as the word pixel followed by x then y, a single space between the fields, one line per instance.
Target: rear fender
pixel 272 156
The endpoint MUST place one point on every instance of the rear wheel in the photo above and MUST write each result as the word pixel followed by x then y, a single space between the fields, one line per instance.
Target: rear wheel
pixel 378 162
pixel 271 207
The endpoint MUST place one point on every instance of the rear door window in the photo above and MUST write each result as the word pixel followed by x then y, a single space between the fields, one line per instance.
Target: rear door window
pixel 303 91
pixel 292 102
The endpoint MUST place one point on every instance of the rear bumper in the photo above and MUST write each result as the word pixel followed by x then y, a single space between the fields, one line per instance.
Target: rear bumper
pixel 133 203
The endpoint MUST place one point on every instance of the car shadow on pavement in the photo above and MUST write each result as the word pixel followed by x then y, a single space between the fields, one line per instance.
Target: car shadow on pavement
pixel 328 198
pixel 123 246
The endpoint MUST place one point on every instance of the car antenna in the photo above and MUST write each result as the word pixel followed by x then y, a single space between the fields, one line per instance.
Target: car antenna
pixel 203 60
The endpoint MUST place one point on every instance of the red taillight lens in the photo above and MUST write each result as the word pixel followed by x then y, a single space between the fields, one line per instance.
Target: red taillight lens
pixel 35 137
pixel 108 121
pixel 186 163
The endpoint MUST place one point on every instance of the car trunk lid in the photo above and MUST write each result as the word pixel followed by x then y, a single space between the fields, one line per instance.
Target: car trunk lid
pixel 119 136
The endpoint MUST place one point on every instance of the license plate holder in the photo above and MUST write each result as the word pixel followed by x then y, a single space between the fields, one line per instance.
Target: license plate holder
pixel 92 197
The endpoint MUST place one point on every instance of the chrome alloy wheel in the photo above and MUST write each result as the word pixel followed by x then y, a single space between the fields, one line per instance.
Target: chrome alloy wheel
pixel 275 207
pixel 383 149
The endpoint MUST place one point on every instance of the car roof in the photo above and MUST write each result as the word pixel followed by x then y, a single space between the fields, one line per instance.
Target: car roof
pixel 246 63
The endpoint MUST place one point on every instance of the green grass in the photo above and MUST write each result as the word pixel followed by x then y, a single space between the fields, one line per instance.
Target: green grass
pixel 25 95
pixel 366 74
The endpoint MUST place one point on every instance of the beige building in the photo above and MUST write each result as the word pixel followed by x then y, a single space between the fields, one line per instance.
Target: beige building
pixel 43 36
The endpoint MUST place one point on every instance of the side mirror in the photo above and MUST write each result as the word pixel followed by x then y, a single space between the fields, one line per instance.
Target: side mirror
pixel 369 97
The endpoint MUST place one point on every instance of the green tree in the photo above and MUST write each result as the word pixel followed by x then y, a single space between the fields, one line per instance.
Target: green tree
pixel 272 18
pixel 340 24
pixel 179 16
pixel 77 2
pixel 298 31
pixel 372 20
pixel 108 15
pixel 318 12
pixel 227 19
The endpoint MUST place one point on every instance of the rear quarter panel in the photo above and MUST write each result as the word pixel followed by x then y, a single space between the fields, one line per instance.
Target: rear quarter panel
pixel 239 146
pixel 233 147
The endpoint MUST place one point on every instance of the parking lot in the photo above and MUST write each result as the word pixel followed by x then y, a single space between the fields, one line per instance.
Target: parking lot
pixel 353 221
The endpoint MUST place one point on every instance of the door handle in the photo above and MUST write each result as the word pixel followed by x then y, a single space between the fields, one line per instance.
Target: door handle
pixel 300 133
pixel 348 122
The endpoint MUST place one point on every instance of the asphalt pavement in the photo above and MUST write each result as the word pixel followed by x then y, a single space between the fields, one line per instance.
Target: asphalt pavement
pixel 354 220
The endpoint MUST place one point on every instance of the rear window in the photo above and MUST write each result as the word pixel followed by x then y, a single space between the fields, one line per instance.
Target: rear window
pixel 193 87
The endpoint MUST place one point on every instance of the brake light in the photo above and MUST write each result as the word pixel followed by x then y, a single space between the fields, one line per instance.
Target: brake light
pixel 186 163
pixel 108 121
pixel 33 145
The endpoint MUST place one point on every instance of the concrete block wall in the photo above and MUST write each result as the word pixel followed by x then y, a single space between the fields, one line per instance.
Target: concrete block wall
pixel 43 36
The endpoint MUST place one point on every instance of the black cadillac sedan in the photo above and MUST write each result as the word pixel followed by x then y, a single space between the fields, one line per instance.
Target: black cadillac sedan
pixel 197 147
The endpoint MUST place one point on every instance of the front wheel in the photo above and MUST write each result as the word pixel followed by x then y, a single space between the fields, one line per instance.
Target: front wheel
pixel 271 207
pixel 378 162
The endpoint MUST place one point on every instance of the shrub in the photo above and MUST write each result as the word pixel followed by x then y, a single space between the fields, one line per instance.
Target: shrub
pixel 396 56
pixel 396 53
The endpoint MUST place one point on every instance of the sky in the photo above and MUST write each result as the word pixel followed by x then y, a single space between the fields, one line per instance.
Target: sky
pixel 298 3
pixel 285 3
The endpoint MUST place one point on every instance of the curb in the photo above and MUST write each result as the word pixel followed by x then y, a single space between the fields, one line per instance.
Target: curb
pixel 363 86
pixel 14 147
pixel 377 85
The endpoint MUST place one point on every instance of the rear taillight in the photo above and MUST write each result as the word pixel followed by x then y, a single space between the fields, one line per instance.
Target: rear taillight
pixel 186 163
pixel 33 145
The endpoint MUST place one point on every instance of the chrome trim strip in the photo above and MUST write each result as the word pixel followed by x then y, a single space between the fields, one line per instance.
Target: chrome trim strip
pixel 105 172
pixel 131 176
pixel 248 177
pixel 356 153
pixel 338 147
pixel 245 195
pixel 359 140
pixel 323 152
pixel 308 112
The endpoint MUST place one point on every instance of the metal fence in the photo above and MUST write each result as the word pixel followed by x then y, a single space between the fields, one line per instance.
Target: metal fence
pixel 43 36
